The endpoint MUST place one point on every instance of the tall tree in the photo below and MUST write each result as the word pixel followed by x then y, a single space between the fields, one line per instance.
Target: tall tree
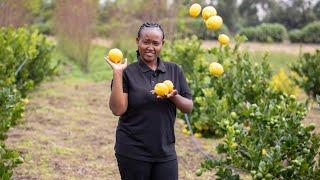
pixel 293 14
pixel 74 21
pixel 248 11
pixel 228 10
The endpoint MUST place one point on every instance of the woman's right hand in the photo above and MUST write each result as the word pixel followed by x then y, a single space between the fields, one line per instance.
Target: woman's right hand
pixel 117 67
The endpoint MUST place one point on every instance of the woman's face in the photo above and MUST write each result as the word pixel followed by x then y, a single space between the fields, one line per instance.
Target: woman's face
pixel 150 43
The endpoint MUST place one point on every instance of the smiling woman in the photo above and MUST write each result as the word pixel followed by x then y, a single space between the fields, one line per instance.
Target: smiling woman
pixel 145 139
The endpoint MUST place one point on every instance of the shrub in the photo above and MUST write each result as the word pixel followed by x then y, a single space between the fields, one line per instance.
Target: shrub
pixel 308 70
pixel 265 33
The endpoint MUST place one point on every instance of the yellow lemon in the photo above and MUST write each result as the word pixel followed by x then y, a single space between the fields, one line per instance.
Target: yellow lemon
pixel 169 84
pixel 195 10
pixel 208 11
pixel 197 135
pixel 264 152
pixel 115 55
pixel 216 69
pixel 185 131
pixel 223 39
pixel 234 145
pixel 161 89
pixel 25 101
pixel 214 22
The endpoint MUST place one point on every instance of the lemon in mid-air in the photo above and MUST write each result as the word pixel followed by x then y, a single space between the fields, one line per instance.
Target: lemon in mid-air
pixel 216 69
pixel 195 10
pixel 208 11
pixel 214 22
pixel 115 55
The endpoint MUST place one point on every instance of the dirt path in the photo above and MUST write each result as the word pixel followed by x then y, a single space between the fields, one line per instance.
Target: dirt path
pixel 68 133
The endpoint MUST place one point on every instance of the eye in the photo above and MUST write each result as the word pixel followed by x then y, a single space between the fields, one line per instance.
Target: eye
pixel 156 43
pixel 146 42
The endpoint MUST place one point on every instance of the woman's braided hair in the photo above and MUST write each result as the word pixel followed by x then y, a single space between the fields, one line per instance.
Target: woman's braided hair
pixel 149 25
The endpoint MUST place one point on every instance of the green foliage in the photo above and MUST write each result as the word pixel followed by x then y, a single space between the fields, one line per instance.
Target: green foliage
pixel 308 34
pixel 25 61
pixel 293 15
pixel 296 35
pixel 311 33
pixel 251 33
pixel 185 52
pixel 261 127
pixel 265 33
pixel 308 70
pixel 24 58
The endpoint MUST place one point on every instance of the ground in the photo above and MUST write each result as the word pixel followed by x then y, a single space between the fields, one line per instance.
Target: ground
pixel 68 133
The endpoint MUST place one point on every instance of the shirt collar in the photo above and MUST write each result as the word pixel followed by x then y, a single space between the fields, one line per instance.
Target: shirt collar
pixel 161 67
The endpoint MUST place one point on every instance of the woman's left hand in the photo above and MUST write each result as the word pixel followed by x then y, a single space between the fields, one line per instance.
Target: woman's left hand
pixel 172 94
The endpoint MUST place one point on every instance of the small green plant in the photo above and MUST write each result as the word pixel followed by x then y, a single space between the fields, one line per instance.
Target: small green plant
pixel 308 73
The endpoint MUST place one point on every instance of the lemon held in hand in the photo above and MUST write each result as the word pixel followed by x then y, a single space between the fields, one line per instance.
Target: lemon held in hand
pixel 216 69
pixel 161 89
pixel 115 55
pixel 169 85
pixel 195 10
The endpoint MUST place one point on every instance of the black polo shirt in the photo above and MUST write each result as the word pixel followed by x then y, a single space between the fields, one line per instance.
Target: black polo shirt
pixel 146 130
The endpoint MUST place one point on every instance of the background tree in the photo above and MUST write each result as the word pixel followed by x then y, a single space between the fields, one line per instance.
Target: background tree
pixel 74 23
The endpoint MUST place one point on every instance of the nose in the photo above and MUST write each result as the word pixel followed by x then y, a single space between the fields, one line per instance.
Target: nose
pixel 150 47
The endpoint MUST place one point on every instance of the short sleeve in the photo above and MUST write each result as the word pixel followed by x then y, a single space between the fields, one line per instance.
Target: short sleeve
pixel 124 83
pixel 184 87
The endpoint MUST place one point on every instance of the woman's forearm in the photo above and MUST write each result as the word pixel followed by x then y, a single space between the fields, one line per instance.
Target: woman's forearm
pixel 183 104
pixel 118 102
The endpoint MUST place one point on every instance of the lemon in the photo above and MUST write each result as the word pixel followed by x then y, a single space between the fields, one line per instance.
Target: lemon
pixel 186 132
pixel 161 89
pixel 115 55
pixel 25 101
pixel 195 10
pixel 216 69
pixel 214 22
pixel 169 85
pixel 197 135
pixel 223 39
pixel 264 152
pixel 208 11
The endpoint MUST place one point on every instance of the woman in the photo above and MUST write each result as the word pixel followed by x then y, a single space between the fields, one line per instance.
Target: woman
pixel 145 140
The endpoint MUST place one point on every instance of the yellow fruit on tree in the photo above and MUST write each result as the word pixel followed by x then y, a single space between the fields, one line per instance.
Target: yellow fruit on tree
pixel 169 84
pixel 216 69
pixel 25 101
pixel 185 131
pixel 161 89
pixel 197 135
pixel 223 39
pixel 214 22
pixel 264 152
pixel 115 55
pixel 208 11
pixel 195 10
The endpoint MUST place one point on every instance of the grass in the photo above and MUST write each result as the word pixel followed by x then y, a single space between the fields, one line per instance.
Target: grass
pixel 277 60
pixel 99 70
